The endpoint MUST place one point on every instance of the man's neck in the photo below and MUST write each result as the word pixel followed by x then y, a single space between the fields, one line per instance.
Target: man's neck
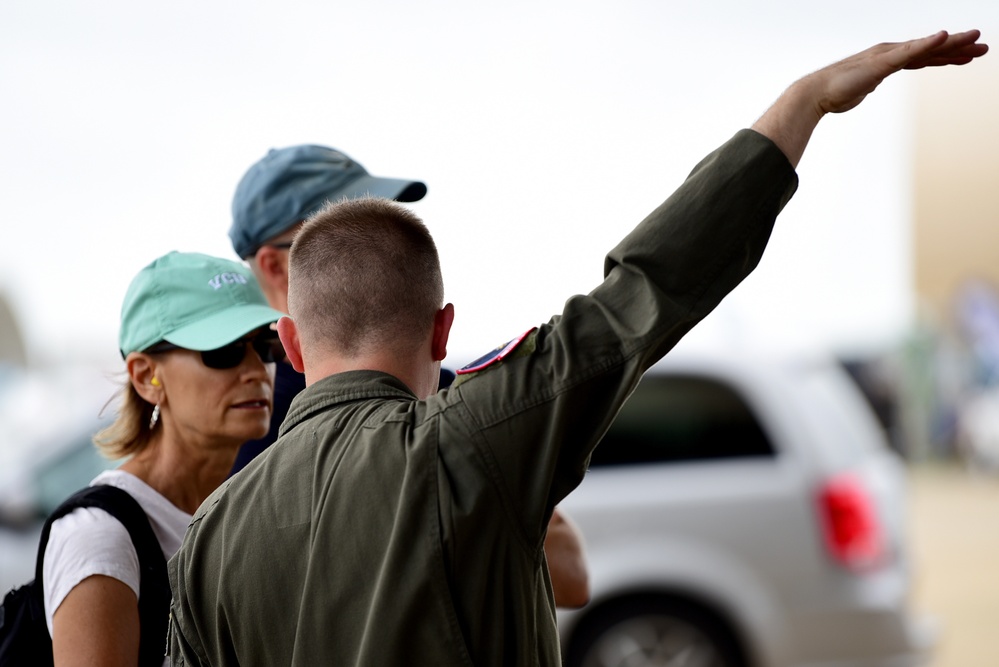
pixel 420 378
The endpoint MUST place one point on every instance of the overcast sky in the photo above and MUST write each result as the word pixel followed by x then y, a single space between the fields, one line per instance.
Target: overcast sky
pixel 544 130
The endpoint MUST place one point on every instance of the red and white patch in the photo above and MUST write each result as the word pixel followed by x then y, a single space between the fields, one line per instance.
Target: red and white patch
pixel 496 355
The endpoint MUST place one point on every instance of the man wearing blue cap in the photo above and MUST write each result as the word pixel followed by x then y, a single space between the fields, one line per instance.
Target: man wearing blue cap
pixel 272 200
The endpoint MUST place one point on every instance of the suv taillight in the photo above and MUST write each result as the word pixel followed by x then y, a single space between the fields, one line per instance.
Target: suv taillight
pixel 850 523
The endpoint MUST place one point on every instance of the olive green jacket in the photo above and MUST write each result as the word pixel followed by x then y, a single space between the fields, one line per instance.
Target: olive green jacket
pixel 383 530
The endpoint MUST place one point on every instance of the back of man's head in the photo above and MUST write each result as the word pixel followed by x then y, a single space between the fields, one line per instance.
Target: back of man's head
pixel 364 275
pixel 289 184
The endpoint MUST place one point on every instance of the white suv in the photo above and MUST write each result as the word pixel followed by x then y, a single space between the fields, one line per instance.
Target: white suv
pixel 744 512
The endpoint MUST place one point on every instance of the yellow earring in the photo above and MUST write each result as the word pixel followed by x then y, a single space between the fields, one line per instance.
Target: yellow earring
pixel 155 382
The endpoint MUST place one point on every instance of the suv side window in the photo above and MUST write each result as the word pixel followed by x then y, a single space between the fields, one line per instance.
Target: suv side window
pixel 682 418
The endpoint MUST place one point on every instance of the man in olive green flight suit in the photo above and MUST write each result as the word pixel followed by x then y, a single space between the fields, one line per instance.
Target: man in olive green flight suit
pixel 392 525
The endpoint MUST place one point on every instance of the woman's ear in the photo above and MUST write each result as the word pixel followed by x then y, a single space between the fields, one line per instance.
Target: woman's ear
pixel 142 374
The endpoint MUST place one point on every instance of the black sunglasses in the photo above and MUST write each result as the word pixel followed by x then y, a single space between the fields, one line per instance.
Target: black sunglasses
pixel 267 345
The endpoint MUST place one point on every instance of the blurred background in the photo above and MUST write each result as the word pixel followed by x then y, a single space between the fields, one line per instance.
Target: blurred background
pixel 544 131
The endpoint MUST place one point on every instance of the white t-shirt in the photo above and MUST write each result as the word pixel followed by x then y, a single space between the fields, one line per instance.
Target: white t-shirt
pixel 89 541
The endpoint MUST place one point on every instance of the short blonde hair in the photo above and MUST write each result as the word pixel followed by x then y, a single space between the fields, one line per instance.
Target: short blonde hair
pixel 364 273
pixel 129 433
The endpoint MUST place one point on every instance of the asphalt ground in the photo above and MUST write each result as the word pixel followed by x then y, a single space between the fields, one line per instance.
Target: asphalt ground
pixel 954 536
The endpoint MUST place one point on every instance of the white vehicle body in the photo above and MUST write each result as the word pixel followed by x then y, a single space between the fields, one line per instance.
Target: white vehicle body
pixel 689 553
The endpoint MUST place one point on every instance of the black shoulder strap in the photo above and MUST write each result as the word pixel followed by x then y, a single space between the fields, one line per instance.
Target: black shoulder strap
pixel 154 586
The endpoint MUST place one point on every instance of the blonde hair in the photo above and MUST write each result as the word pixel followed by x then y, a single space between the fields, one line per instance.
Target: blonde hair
pixel 129 433
pixel 364 273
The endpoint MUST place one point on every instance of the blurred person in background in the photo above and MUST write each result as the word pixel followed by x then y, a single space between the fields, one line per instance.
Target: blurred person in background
pixel 272 200
pixel 199 351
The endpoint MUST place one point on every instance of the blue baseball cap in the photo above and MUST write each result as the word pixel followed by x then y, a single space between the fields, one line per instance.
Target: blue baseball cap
pixel 290 184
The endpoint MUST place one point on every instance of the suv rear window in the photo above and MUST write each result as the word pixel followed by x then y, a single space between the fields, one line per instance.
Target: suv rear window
pixel 682 418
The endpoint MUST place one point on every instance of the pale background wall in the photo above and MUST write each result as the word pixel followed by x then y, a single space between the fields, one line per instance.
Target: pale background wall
pixel 955 182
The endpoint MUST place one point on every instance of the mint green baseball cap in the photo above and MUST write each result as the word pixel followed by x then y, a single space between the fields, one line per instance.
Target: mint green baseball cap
pixel 194 301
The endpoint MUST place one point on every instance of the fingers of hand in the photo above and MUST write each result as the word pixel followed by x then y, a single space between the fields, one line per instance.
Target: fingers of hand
pixel 957 49
pixel 940 61
pixel 901 55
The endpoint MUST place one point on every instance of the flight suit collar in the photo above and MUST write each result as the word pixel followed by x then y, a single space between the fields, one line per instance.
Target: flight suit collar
pixel 343 388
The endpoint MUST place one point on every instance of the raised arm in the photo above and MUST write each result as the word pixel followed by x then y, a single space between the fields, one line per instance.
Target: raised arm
pixel 843 85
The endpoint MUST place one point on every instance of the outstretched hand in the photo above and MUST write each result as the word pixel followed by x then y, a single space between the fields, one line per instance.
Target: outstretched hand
pixel 843 85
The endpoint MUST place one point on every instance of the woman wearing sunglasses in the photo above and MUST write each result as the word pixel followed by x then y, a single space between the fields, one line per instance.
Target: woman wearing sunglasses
pixel 199 353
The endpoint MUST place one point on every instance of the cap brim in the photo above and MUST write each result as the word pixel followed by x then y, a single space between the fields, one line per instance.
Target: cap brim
pixel 223 327
pixel 389 188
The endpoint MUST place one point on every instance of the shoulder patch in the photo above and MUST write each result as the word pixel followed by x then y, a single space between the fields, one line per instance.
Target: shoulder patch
pixel 497 355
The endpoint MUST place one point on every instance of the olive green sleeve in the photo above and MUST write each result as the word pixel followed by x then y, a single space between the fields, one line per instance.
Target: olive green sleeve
pixel 538 416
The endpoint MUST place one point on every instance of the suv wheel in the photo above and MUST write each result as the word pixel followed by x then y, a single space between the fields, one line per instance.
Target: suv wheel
pixel 653 632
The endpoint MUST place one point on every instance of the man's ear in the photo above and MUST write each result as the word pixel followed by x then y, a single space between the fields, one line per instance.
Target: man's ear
pixel 442 329
pixel 272 264
pixel 288 333
pixel 142 373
